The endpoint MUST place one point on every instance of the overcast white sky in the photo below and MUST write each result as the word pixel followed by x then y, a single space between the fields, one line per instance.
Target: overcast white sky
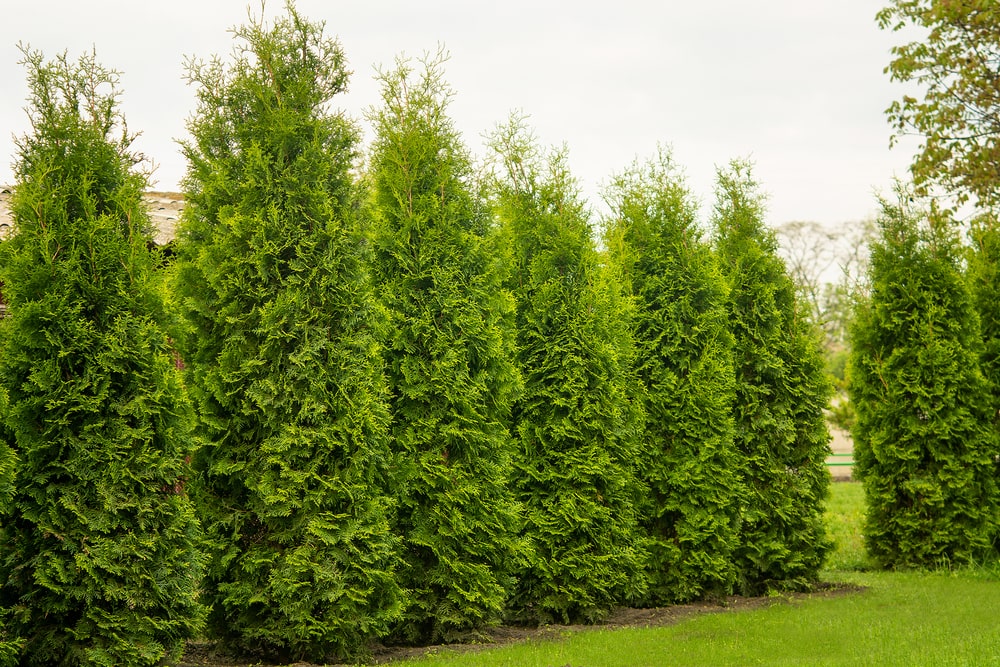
pixel 795 85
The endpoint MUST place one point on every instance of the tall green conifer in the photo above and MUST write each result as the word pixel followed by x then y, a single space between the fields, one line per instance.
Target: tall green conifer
pixel 983 272
pixel 10 647
pixel 984 281
pixel 924 438
pixel 781 391
pixel 8 460
pixel 450 359
pixel 282 353
pixel 578 428
pixel 685 366
pixel 98 563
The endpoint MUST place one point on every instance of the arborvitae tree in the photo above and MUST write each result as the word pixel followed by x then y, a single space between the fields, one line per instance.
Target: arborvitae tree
pixel 10 647
pixel 924 442
pixel 8 460
pixel 781 391
pixel 98 558
pixel 983 272
pixel 575 473
pixel 685 366
pixel 451 362
pixel 293 481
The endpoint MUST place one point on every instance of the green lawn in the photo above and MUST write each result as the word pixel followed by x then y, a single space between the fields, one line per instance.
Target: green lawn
pixel 845 512
pixel 901 618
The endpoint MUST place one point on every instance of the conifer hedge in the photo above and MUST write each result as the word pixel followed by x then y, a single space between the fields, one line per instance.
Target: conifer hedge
pixel 8 459
pixel 575 469
pixel 685 368
pixel 98 558
pixel 781 391
pixel 450 357
pixel 925 442
pixel 272 276
pixel 983 274
pixel 10 647
pixel 422 406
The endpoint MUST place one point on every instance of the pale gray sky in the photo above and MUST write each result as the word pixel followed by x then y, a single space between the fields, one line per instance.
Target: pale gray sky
pixel 795 85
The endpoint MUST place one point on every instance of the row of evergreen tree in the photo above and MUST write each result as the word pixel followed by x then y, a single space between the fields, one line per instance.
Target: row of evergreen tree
pixel 400 401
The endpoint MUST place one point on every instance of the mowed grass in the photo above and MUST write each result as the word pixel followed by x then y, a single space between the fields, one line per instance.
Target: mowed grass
pixel 899 618
pixel 845 512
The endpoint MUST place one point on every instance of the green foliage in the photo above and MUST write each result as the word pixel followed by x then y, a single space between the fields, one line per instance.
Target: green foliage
pixel 98 558
pixel 924 442
pixel 955 60
pixel 450 360
pixel 10 646
pixel 575 472
pixel 281 349
pixel 841 412
pixel 685 367
pixel 781 391
pixel 8 459
pixel 983 275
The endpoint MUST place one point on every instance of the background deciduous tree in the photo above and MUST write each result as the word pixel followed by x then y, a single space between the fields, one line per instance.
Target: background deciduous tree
pixel 811 254
pixel 954 61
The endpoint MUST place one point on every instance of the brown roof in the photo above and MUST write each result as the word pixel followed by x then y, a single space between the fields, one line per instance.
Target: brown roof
pixel 164 210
